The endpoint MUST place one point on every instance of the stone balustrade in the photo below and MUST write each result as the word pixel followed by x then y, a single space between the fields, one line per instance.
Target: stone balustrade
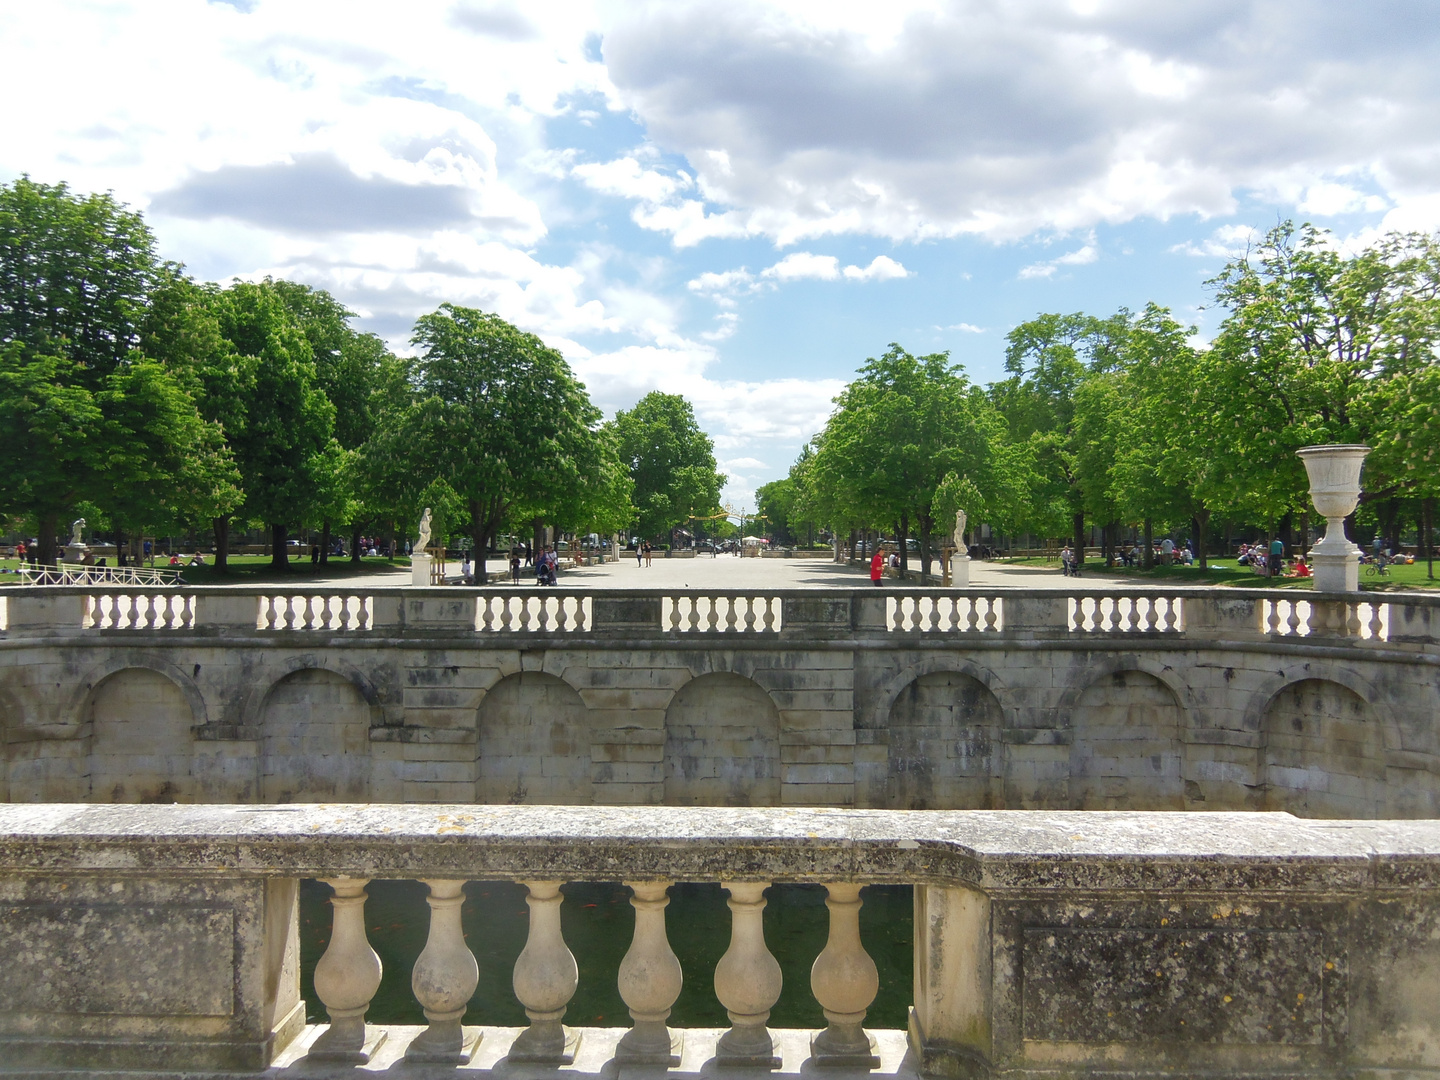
pixel 1410 619
pixel 1145 699
pixel 163 939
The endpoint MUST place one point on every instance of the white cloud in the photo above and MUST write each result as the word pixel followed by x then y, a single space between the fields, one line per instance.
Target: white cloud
pixel 724 281
pixel 1226 242
pixel 802 264
pixel 1080 257
pixel 881 268
pixel 1004 120
pixel 963 327
pixel 627 178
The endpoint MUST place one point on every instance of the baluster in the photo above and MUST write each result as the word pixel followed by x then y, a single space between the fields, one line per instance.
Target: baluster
pixel 346 978
pixel 545 980
pixel 731 613
pixel 694 612
pixel 444 977
pixel 670 614
pixel 582 613
pixel 650 981
pixel 714 618
pixel 844 982
pixel 484 613
pixel 769 620
pixel 188 616
pixel 151 614
pixel 542 619
pixel 992 614
pixel 1174 614
pixel 1352 620
pixel 524 613
pixel 749 614
pixel 1272 617
pixel 1376 626
pixel 967 614
pixel 562 616
pixel 1292 622
pixel 1152 614
pixel 932 620
pixel 344 613
pixel 366 613
pixel 747 981
pixel 1132 614
pixel 289 610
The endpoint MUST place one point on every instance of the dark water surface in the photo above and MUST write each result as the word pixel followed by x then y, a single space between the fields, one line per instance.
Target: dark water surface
pixel 598 922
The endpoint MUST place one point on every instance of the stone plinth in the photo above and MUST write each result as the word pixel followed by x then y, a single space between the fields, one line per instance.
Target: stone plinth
pixel 419 570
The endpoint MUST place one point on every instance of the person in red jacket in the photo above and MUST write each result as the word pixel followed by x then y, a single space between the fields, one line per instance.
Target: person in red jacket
pixel 877 567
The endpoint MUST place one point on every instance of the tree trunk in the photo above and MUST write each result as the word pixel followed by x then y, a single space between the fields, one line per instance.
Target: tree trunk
pixel 904 544
pixel 354 545
pixel 1202 523
pixel 1428 506
pixel 1079 527
pixel 325 544
pixel 390 541
pixel 1147 554
pixel 850 550
pixel 49 551
pixel 221 525
pixel 927 526
pixel 477 541
pixel 119 548
pixel 279 554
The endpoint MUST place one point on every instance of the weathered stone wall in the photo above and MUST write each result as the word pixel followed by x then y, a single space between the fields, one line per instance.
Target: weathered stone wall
pixel 842 711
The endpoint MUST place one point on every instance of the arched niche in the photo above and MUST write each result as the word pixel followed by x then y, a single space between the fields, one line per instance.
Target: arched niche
pixel 315 740
pixel 140 746
pixel 722 744
pixel 1126 752
pixel 1324 752
pixel 943 729
pixel 533 742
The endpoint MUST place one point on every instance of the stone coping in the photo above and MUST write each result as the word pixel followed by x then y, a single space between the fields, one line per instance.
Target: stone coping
pixel 994 850
pixel 1427 598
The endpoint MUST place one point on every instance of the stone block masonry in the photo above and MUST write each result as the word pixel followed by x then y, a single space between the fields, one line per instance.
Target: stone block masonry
pixel 1187 699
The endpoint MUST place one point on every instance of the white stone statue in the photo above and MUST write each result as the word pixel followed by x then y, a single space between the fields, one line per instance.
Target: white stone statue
pixel 424 542
pixel 76 528
pixel 960 531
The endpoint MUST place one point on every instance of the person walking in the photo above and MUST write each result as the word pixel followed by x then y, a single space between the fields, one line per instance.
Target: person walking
pixel 1277 557
pixel 639 554
pixel 877 568
pixel 649 553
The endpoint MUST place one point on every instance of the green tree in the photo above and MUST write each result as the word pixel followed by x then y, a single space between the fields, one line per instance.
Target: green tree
pixel 498 416
pixel 671 463
pixel 283 445
pixel 87 417
pixel 1049 358
pixel 896 434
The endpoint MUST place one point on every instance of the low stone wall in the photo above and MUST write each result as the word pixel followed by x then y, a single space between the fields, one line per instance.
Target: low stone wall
pixel 1147 700
pixel 160 939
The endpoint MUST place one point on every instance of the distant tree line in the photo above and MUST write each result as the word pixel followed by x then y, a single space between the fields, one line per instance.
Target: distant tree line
pixel 144 400
pixel 1125 422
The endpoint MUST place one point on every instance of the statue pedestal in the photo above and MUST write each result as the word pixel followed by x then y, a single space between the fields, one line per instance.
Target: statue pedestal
pixel 419 570
pixel 959 571
pixel 75 552
pixel 1336 570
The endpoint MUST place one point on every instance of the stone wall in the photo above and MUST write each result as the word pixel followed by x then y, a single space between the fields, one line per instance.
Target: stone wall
pixel 839 707
pixel 164 938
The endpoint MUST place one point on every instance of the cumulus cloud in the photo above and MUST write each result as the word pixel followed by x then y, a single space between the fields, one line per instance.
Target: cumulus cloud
pixel 1226 242
pixel 881 268
pixel 1006 119
pixel 1080 257
pixel 802 264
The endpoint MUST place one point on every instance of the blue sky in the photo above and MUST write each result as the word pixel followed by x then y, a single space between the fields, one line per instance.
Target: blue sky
pixel 735 201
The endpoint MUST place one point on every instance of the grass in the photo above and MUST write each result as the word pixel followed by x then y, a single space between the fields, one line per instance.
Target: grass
pixel 1229 572
pixel 256 570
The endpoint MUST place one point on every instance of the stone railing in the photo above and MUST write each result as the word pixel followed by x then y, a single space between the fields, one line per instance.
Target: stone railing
pixel 1195 614
pixel 163 939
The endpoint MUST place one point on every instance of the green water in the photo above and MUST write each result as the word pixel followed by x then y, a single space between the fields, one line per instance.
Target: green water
pixel 598 922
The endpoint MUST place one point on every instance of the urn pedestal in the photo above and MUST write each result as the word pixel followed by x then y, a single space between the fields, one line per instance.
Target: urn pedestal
pixel 1335 491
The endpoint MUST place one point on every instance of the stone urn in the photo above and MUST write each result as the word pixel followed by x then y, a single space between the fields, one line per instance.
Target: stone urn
pixel 1335 491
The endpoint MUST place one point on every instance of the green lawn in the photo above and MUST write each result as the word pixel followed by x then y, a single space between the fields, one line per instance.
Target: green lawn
pixel 256 569
pixel 1227 572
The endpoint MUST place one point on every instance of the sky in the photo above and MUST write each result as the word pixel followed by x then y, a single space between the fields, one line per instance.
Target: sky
pixel 733 201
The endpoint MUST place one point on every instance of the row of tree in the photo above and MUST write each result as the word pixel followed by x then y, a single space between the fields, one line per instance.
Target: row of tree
pixel 1126 421
pixel 148 401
